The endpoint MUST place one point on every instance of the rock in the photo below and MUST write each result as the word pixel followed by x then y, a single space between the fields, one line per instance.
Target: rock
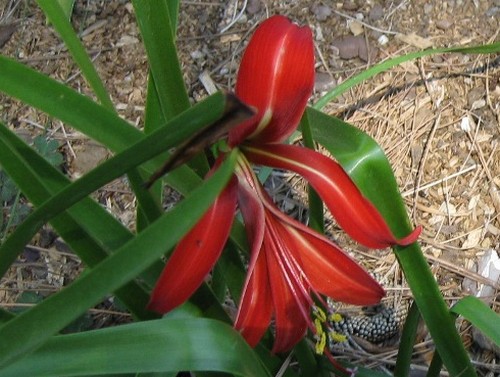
pixel 367 53
pixel 376 13
pixel 350 5
pixel 443 24
pixel 322 12
pixel 475 94
pixel 356 28
pixel 383 39
pixel 6 32
pixel 492 12
pixel 253 6
pixel 348 46
pixel 323 82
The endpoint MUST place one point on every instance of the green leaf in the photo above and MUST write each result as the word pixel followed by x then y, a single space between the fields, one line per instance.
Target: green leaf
pixel 48 149
pixel 384 66
pixel 59 17
pixel 166 345
pixel 105 232
pixel 102 125
pixel 408 337
pixel 480 315
pixel 362 158
pixel 154 20
pixel 87 227
pixel 158 33
pixel 67 7
pixel 367 165
pixel 31 329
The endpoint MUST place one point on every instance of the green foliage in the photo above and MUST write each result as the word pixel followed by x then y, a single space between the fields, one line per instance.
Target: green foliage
pixel 14 210
pixel 126 264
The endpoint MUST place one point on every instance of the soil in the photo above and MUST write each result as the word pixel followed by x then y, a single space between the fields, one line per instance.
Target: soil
pixel 437 118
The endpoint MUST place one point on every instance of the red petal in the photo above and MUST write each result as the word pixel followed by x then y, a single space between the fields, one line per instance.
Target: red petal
pixel 276 76
pixel 330 270
pixel 289 302
pixel 196 254
pixel 354 213
pixel 256 307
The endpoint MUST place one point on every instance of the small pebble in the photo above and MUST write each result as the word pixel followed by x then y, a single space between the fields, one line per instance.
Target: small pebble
pixel 383 39
pixel 348 46
pixel 356 28
pixel 443 24
pixel 323 82
pixel 492 12
pixel 253 6
pixel 322 12
pixel 197 54
pixel 350 5
pixel 428 8
pixel 376 13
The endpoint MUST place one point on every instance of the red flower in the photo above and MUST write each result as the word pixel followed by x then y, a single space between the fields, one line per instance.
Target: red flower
pixel 288 261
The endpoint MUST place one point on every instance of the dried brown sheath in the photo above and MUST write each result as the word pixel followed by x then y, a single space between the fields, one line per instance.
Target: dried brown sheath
pixel 234 113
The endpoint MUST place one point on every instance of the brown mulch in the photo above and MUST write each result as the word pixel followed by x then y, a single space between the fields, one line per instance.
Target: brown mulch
pixel 437 118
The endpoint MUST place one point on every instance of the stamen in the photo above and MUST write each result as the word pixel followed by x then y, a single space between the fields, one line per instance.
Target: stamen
pixel 337 337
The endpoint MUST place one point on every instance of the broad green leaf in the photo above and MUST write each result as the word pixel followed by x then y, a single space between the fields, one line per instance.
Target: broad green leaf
pixel 367 165
pixel 31 329
pixel 58 13
pixel 480 315
pixel 384 66
pixel 166 345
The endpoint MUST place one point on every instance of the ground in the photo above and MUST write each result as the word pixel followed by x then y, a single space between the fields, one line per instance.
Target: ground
pixel 437 118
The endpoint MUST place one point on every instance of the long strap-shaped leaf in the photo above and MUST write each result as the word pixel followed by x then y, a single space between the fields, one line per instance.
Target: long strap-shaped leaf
pixel 480 315
pixel 81 112
pixel 118 165
pixel 59 19
pixel 166 345
pixel 154 21
pixel 384 66
pixel 31 329
pixel 87 228
pixel 367 165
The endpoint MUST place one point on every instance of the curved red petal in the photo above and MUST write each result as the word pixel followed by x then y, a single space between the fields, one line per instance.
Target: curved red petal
pixel 276 76
pixel 291 307
pixel 256 307
pixel 196 253
pixel 354 213
pixel 330 270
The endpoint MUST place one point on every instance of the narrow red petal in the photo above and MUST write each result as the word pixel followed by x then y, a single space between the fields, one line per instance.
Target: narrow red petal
pixel 329 270
pixel 291 307
pixel 255 309
pixel 354 213
pixel 256 306
pixel 196 254
pixel 276 76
